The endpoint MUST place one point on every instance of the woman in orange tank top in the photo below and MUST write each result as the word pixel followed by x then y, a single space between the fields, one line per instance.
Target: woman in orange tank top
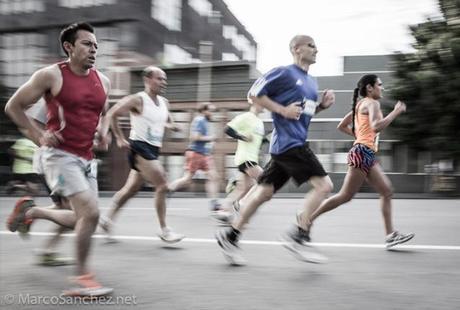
pixel 365 122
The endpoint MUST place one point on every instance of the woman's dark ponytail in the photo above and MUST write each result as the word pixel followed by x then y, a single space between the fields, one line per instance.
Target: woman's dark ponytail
pixel 353 108
pixel 368 79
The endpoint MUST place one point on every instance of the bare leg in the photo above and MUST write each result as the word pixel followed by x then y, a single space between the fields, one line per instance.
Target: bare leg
pixel 186 180
pixel 87 213
pixel 243 185
pixel 153 171
pixel 52 242
pixel 131 187
pixel 353 181
pixel 261 194
pixel 212 183
pixel 380 182
pixel 61 217
pixel 246 181
pixel 322 186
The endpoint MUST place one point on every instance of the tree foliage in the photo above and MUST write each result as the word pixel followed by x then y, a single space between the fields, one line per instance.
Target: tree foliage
pixel 428 80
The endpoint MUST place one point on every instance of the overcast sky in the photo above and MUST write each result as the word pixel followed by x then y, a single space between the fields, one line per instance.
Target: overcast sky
pixel 339 27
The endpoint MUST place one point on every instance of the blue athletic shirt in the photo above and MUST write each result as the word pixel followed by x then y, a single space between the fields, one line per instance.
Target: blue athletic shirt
pixel 200 125
pixel 286 85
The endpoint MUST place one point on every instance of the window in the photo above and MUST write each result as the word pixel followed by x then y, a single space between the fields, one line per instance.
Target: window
pixel 21 55
pixel 229 32
pixel 240 42
pixel 173 54
pixel 21 6
pixel 168 13
pixel 84 3
pixel 202 7
pixel 229 57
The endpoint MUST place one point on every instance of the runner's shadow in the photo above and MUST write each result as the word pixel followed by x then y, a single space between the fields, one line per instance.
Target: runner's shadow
pixel 171 247
pixel 402 251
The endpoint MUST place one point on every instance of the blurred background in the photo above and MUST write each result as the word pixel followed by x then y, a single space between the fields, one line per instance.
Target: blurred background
pixel 210 50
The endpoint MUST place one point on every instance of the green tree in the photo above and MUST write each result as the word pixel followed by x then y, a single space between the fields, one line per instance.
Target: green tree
pixel 428 80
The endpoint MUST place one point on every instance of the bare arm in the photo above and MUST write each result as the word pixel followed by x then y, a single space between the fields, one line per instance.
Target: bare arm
pixel 102 139
pixel 291 111
pixel 378 122
pixel 171 124
pixel 344 125
pixel 28 94
pixel 131 103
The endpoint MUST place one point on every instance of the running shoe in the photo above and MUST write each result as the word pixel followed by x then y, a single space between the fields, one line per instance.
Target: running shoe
pixel 397 238
pixel 106 225
pixel 230 249
pixel 17 221
pixel 87 286
pixel 51 259
pixel 169 236
pixel 225 217
pixel 298 242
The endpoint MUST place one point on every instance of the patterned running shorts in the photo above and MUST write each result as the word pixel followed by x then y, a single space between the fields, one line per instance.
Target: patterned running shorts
pixel 362 157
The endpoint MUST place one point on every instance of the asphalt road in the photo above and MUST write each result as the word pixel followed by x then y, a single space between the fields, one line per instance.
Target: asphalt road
pixel 147 274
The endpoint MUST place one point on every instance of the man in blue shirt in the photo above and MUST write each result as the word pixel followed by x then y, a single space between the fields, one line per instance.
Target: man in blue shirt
pixel 198 156
pixel 290 93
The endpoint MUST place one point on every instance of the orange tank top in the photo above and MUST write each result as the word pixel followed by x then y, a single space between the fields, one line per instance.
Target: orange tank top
pixel 363 130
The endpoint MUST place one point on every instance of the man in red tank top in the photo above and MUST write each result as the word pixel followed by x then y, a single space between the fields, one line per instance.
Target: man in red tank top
pixel 76 95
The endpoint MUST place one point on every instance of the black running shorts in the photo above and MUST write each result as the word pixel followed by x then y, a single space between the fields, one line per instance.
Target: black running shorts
pixel 247 164
pixel 143 149
pixel 299 163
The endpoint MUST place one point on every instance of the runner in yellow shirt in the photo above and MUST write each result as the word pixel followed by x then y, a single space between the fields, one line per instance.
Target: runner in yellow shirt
pixel 24 178
pixel 248 129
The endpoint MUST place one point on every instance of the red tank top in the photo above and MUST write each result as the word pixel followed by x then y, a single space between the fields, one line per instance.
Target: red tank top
pixel 75 111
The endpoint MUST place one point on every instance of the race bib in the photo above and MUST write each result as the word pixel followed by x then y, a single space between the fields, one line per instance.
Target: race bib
pixel 309 107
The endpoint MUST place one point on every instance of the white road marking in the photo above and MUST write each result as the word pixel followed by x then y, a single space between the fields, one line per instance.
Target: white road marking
pixel 260 242
pixel 148 209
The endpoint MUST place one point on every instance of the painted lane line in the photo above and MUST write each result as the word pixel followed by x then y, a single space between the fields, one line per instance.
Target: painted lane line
pixel 260 242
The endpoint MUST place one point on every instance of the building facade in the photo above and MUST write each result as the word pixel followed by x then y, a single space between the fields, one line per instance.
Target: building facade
pixel 129 32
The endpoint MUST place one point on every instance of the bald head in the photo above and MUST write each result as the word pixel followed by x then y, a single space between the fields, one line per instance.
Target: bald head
pixel 297 41
pixel 155 80
pixel 151 71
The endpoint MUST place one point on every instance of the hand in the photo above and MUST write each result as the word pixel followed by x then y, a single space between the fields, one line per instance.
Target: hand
pixel 400 107
pixel 101 143
pixel 292 111
pixel 174 128
pixel 123 144
pixel 50 138
pixel 328 99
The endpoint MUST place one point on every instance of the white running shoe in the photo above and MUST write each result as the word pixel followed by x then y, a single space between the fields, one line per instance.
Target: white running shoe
pixel 298 243
pixel 397 238
pixel 169 236
pixel 230 250
pixel 107 226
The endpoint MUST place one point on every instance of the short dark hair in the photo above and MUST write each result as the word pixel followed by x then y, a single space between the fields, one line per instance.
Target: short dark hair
pixel 203 106
pixel 69 33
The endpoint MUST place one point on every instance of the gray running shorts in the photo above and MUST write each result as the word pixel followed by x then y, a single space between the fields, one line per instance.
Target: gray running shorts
pixel 66 174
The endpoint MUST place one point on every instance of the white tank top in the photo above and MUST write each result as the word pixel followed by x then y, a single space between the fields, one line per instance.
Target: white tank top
pixel 149 126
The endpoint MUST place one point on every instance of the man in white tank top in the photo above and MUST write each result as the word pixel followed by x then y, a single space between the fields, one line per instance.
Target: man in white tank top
pixel 149 114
